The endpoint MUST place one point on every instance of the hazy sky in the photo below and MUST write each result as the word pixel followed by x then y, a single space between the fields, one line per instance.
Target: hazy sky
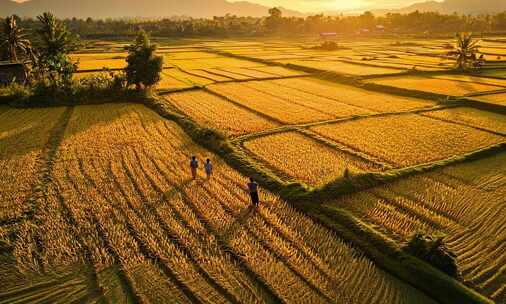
pixel 325 5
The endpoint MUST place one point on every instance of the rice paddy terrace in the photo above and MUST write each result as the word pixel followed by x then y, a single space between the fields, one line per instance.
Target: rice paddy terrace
pixel 355 150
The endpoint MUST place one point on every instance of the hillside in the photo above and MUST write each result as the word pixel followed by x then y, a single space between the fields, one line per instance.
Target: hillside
pixel 132 8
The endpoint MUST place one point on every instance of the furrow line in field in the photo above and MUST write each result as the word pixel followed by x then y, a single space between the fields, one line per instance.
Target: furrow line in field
pixel 173 237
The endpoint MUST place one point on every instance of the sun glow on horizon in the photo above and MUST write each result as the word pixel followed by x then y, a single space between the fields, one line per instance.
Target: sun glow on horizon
pixel 333 5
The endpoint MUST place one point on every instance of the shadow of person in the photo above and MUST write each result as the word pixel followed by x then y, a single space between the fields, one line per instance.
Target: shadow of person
pixel 238 223
pixel 176 189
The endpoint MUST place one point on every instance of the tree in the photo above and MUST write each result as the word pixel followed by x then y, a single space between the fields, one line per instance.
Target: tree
pixel 52 61
pixel 144 67
pixel 465 51
pixel 55 38
pixel 273 22
pixel 14 40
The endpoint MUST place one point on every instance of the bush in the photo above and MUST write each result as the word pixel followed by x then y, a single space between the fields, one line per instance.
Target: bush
pixel 431 248
pixel 102 87
pixel 328 46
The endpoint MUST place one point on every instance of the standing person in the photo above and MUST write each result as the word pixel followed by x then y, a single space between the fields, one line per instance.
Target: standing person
pixel 253 191
pixel 194 164
pixel 209 168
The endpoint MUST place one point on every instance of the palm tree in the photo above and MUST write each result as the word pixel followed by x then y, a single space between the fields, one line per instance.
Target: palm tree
pixel 14 39
pixel 465 51
pixel 56 39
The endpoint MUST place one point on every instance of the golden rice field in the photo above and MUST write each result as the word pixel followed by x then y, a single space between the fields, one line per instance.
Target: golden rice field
pixel 216 113
pixel 475 79
pixel 473 117
pixel 465 201
pixel 304 159
pixel 409 139
pixel 97 204
pixel 119 205
pixel 496 99
pixel 343 67
pixel 24 135
pixel 321 104
pixel 100 64
pixel 373 101
pixel 433 85
pixel 275 107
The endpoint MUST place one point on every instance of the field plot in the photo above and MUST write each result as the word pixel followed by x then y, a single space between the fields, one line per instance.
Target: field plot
pixel 353 96
pixel 23 135
pixel 278 71
pixel 209 63
pixel 497 99
pixel 170 82
pixel 229 74
pixel 120 194
pixel 500 73
pixel 100 64
pixel 267 104
pixel 410 139
pixel 189 79
pixel 473 117
pixel 209 75
pixel 304 159
pixel 211 111
pixel 465 201
pixel 343 67
pixel 432 85
pixel 475 79
pixel 250 73
pixel 317 103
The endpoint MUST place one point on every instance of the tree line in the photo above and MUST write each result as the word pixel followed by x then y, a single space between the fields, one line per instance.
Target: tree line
pixel 231 25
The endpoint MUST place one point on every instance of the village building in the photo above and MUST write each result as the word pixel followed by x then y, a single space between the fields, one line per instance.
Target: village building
pixel 12 72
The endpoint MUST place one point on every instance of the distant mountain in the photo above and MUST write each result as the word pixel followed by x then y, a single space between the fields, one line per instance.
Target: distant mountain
pixel 452 6
pixel 135 8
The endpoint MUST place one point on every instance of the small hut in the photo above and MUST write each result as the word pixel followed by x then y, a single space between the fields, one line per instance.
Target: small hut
pixel 12 72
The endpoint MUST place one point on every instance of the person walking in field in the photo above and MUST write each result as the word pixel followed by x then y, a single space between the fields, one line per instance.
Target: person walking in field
pixel 194 165
pixel 253 192
pixel 208 168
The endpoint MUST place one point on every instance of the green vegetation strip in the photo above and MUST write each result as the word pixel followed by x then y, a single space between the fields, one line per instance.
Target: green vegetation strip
pixel 382 250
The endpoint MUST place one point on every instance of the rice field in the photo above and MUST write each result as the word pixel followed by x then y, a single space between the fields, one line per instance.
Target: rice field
pixel 321 104
pixel 343 67
pixel 353 96
pixel 407 140
pixel 465 201
pixel 433 85
pixel 24 135
pixel 120 203
pixel 100 64
pixel 97 203
pixel 214 112
pixel 496 99
pixel 473 117
pixel 304 159
pixel 266 104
